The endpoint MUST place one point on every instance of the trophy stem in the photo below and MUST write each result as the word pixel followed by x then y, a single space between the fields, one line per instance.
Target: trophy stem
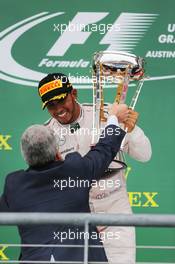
pixel 102 117
pixel 119 91
pixel 96 104
pixel 122 87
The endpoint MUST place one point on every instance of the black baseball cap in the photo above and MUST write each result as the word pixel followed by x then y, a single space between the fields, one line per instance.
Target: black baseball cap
pixel 55 86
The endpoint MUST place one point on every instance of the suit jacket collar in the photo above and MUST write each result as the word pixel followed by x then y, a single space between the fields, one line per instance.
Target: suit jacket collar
pixel 47 166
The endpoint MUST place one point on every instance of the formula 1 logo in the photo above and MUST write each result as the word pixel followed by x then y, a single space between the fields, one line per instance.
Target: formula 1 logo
pixel 123 35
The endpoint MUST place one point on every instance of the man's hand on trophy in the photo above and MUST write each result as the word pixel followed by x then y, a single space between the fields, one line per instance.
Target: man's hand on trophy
pixel 130 121
pixel 120 111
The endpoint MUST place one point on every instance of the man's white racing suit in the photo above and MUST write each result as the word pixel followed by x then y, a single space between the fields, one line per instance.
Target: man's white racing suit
pixel 109 195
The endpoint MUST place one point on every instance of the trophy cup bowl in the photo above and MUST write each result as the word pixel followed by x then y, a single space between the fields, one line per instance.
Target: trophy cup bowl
pixel 116 63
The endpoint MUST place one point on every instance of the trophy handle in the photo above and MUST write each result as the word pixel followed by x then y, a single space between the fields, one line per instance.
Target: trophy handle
pixel 136 94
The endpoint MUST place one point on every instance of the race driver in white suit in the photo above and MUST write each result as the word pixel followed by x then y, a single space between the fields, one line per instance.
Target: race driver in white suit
pixel 74 122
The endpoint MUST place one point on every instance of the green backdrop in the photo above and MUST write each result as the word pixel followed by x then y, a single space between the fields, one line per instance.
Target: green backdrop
pixel 32 45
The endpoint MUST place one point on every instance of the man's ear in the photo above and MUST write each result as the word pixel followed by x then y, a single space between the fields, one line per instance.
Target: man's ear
pixel 58 156
pixel 74 93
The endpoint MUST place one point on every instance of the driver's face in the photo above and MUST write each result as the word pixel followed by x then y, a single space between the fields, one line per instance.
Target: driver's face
pixel 64 111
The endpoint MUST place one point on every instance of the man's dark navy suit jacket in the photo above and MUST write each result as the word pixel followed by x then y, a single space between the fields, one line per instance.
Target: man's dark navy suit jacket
pixel 37 190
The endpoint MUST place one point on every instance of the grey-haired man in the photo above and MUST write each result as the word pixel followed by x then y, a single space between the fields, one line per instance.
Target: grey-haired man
pixel 34 190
